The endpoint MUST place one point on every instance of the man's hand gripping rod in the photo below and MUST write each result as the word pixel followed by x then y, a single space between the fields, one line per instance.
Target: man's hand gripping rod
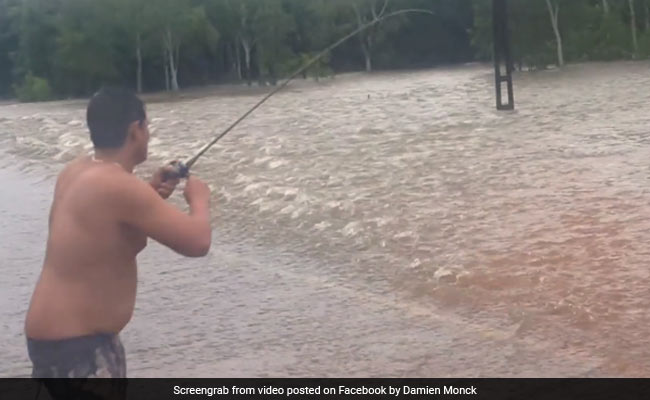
pixel 182 170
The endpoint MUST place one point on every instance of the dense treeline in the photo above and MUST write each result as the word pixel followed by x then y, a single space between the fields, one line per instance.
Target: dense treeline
pixel 60 48
pixel 558 31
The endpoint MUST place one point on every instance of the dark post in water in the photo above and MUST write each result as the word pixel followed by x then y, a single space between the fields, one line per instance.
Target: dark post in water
pixel 502 53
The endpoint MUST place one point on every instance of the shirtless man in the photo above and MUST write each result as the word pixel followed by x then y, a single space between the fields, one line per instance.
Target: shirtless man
pixel 100 220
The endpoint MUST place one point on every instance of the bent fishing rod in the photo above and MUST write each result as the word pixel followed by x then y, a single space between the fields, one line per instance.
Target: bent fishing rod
pixel 182 169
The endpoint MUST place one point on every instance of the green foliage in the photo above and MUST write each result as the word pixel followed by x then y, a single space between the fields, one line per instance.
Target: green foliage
pixel 85 50
pixel 644 45
pixel 36 29
pixel 608 40
pixel 587 31
pixel 9 12
pixel 34 89
pixel 77 45
pixel 272 27
pixel 320 69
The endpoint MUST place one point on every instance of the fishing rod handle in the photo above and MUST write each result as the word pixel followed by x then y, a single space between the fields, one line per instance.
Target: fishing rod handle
pixel 178 170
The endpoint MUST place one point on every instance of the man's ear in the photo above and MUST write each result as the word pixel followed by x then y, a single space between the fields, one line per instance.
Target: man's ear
pixel 134 130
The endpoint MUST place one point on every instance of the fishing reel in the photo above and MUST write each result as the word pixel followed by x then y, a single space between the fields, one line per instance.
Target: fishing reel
pixel 177 170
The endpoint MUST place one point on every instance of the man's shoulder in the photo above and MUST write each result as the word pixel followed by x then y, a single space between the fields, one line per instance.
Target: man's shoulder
pixel 111 181
pixel 120 183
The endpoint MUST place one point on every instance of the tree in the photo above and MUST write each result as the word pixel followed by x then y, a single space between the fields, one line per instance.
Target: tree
pixel 175 21
pixel 37 33
pixel 554 12
pixel 85 54
pixel 245 12
pixel 635 43
pixel 532 35
pixel 366 11
pixel 315 28
pixel 9 38
pixel 224 15
pixel 70 47
pixel 271 27
pixel 132 16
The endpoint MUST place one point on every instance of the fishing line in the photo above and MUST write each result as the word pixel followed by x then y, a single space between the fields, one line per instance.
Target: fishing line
pixel 181 170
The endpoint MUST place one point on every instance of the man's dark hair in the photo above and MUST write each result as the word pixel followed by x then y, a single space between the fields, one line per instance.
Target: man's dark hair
pixel 109 114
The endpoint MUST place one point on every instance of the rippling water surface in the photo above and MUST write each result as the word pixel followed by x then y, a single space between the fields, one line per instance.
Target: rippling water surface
pixel 388 225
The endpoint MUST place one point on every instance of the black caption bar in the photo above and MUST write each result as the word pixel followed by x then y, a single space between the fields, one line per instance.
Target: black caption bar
pixel 272 389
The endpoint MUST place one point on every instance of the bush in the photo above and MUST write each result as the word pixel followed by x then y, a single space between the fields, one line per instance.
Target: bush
pixel 320 69
pixel 644 45
pixel 610 41
pixel 34 89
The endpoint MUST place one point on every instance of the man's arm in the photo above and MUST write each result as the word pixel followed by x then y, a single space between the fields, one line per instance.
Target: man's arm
pixel 187 234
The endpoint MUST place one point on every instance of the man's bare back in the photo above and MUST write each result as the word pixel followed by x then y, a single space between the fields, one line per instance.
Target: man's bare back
pixel 88 282
pixel 100 219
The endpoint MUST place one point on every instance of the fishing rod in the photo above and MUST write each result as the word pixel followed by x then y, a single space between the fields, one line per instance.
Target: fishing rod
pixel 182 169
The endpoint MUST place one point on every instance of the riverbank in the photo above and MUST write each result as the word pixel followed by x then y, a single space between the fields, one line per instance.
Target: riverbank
pixel 255 89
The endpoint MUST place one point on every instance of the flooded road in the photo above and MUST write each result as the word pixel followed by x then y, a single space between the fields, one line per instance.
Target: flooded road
pixel 390 225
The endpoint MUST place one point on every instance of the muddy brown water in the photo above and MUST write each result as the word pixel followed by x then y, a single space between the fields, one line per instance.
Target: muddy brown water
pixel 384 225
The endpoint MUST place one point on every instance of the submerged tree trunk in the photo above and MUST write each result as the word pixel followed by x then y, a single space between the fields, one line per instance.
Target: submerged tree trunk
pixel 366 37
pixel 228 62
pixel 606 7
pixel 635 43
pixel 260 66
pixel 171 51
pixel 368 58
pixel 173 72
pixel 138 56
pixel 247 59
pixel 166 71
pixel 176 58
pixel 238 61
pixel 554 12
pixel 362 38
